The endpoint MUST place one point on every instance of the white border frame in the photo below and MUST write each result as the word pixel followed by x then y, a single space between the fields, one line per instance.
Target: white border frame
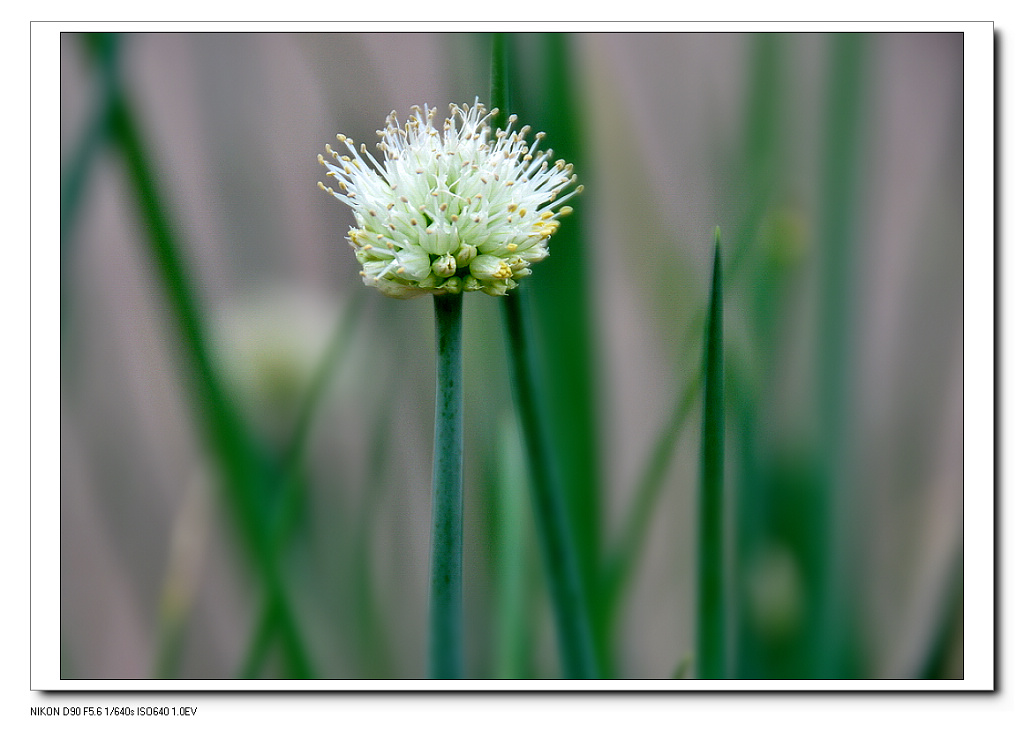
pixel 979 394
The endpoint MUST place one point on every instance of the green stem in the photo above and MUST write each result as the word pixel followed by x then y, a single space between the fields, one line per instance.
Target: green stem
pixel 572 622
pixel 712 603
pixel 446 557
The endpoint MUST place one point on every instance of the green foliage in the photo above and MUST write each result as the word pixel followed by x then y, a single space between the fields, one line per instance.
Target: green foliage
pixel 545 92
pixel 778 581
pixel 248 471
pixel 547 422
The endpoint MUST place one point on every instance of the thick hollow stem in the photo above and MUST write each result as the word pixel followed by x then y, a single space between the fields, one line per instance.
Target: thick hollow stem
pixel 446 557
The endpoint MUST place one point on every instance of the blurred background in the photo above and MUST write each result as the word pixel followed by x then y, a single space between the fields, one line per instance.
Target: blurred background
pixel 246 429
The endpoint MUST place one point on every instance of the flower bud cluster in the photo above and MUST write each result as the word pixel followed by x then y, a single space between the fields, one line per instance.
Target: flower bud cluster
pixel 450 211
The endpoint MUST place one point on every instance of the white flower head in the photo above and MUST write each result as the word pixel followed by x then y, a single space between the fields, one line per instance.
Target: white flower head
pixel 450 210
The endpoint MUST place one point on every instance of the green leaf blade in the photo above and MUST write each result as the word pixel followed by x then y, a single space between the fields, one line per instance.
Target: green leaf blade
pixel 712 616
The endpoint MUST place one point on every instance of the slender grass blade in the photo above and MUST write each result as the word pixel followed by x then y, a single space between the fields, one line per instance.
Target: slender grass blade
pixel 712 618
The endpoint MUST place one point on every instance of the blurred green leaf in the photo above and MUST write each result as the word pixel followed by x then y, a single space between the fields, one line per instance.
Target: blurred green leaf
pixel 76 174
pixel 561 521
pixel 762 272
pixel 544 93
pixel 572 619
pixel 248 471
pixel 370 630
pixel 842 160
pixel 512 566
pixel 293 486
